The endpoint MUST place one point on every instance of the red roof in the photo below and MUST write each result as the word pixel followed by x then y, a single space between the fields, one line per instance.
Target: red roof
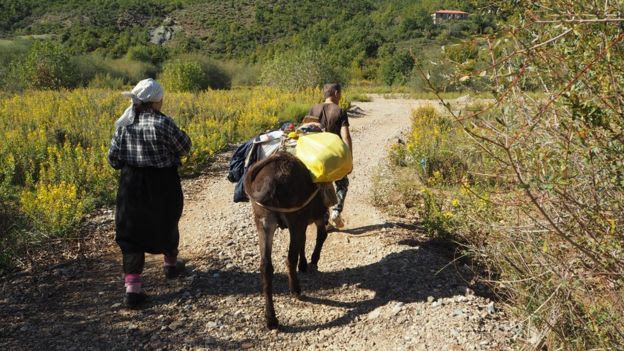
pixel 452 12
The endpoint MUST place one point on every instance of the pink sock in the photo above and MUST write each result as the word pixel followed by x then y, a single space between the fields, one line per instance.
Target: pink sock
pixel 170 261
pixel 133 283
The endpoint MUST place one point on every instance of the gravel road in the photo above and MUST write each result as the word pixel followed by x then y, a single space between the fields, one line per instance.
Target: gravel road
pixel 382 284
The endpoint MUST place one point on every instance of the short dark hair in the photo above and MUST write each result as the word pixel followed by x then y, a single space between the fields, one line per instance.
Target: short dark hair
pixel 330 89
pixel 143 106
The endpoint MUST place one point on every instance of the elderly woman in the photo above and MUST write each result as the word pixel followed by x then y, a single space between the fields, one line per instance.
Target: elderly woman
pixel 147 147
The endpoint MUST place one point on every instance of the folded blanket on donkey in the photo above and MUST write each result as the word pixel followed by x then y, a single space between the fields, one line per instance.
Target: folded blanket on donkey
pixel 325 155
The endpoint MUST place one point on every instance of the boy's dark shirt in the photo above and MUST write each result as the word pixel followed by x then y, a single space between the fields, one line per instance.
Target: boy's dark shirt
pixel 331 117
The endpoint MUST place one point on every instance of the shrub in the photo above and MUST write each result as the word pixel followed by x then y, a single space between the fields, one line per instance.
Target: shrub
pixel 183 76
pixel 131 71
pixel 441 75
pixel 360 97
pixel 54 208
pixel 449 175
pixel 461 53
pixel 88 67
pixel 10 53
pixel 293 112
pixel 564 157
pixel 194 74
pixel 396 68
pixel 106 81
pixel 298 70
pixel 154 54
pixel 216 77
pixel 434 149
pixel 47 66
pixel 182 43
pixel 243 75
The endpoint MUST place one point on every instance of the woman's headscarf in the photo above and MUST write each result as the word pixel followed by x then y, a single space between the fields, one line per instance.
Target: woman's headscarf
pixel 147 90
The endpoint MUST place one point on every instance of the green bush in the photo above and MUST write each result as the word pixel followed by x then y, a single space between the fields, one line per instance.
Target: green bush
pixel 90 66
pixel 243 75
pixel 184 44
pixel 293 112
pixel 396 68
pixel 154 54
pixel 460 53
pixel 360 97
pixel 183 76
pixel 10 52
pixel 106 81
pixel 432 148
pixel 55 208
pixel 116 71
pixel 298 70
pixel 216 77
pixel 46 66
pixel 194 74
pixel 131 71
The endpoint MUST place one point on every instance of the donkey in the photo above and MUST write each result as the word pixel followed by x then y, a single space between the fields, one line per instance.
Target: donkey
pixel 283 195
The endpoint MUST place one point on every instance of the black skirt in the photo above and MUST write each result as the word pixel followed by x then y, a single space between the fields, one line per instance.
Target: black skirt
pixel 149 207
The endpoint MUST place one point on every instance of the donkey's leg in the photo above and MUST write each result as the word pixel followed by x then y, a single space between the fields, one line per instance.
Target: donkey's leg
pixel 266 228
pixel 321 235
pixel 297 237
pixel 303 263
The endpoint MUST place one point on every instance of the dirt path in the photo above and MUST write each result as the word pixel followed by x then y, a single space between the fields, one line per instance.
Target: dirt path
pixel 382 285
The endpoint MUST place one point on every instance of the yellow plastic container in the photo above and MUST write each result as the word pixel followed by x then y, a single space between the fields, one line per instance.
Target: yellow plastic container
pixel 326 156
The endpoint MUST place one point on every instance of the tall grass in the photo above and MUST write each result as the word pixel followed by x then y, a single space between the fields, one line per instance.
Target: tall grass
pixel 54 143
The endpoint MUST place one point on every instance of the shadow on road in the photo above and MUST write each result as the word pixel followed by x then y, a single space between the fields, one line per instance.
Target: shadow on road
pixel 80 301
pixel 422 270
pixel 377 227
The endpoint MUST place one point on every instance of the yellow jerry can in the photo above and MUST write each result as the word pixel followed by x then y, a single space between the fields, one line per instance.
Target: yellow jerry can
pixel 326 156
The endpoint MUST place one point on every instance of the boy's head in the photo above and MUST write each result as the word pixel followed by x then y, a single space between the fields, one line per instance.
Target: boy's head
pixel 332 91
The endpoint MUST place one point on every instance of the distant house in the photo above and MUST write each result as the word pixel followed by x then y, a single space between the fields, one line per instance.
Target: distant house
pixel 445 15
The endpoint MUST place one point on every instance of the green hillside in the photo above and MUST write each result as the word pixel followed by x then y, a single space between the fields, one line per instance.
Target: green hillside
pixel 361 36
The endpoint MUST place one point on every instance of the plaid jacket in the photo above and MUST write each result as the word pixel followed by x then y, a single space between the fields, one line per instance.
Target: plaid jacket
pixel 153 140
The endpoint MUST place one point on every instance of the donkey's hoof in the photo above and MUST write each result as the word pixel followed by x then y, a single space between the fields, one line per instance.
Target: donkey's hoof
pixel 313 268
pixel 295 290
pixel 272 323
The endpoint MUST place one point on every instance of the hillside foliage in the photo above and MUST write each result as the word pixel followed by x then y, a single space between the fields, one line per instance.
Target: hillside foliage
pixel 363 39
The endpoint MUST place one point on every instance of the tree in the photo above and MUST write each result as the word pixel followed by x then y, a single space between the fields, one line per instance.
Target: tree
pixel 396 68
pixel 47 66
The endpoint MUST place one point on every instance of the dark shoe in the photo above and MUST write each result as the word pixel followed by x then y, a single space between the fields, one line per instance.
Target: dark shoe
pixel 174 271
pixel 134 300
